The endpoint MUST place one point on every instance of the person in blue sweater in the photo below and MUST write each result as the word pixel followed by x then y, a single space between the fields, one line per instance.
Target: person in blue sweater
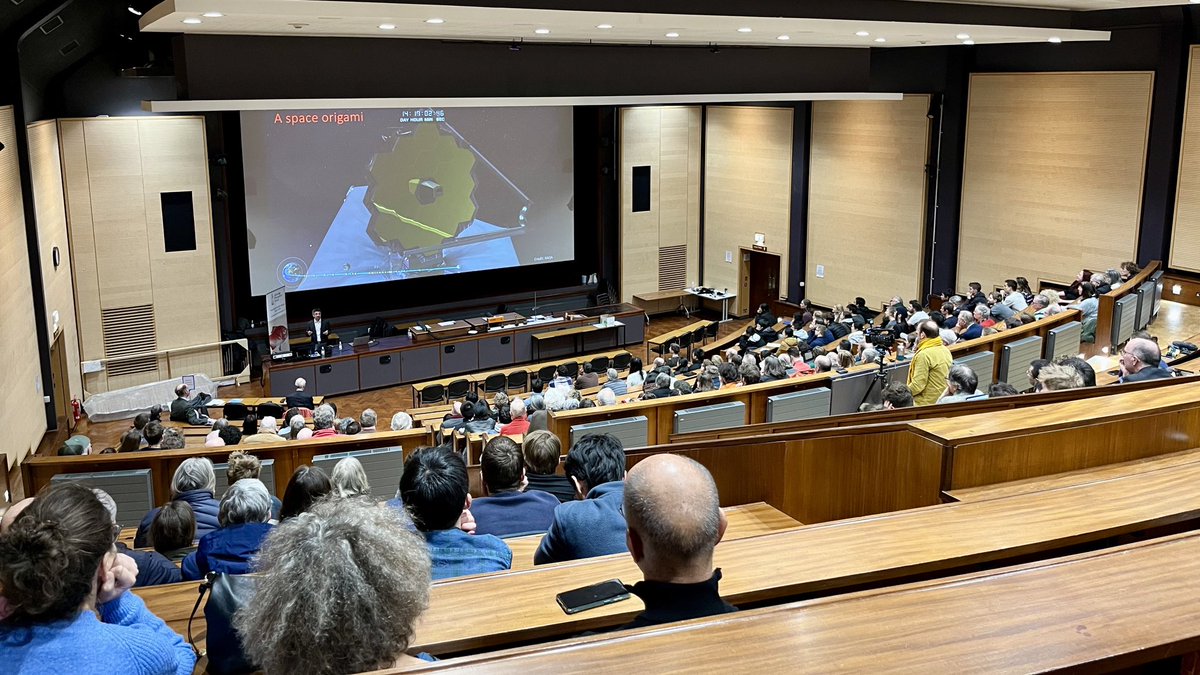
pixel 434 488
pixel 596 525
pixel 245 510
pixel 194 482
pixel 508 509
pixel 66 603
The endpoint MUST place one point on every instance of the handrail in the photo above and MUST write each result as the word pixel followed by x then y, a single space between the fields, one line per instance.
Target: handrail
pixel 241 377
pixel 1108 304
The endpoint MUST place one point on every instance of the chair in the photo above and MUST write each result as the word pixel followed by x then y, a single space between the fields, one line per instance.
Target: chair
pixel 710 331
pixel 235 411
pixel 698 336
pixel 518 380
pixel 270 410
pixel 432 393
pixel 546 374
pixel 621 361
pixel 458 389
pixel 496 382
pixel 600 364
pixel 660 347
pixel 572 369
pixel 685 343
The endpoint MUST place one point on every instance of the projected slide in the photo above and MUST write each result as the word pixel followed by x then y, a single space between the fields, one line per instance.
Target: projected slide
pixel 345 197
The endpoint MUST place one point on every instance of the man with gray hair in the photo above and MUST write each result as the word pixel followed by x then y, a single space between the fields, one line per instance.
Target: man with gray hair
pixel 299 399
pixel 1139 361
pixel 194 482
pixel 674 522
pixel 190 410
pixel 367 421
pixel 323 419
pixel 967 328
pixel 615 384
pixel 244 512
pixel 962 384
pixel 153 568
pixel 401 421
pixel 606 397
pixel 520 419
pixel 662 386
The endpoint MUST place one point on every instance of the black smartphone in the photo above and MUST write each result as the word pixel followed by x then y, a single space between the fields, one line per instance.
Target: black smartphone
pixel 590 597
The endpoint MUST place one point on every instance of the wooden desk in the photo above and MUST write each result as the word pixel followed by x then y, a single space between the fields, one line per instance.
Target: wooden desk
pixel 1093 612
pixel 746 520
pixel 578 335
pixel 663 302
pixel 829 557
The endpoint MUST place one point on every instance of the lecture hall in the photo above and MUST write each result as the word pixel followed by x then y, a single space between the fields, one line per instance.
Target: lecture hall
pixel 564 336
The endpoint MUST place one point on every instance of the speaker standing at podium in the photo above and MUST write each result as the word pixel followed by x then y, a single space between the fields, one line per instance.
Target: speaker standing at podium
pixel 317 329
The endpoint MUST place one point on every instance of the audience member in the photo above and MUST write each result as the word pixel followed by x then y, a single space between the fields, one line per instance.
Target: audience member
pixel 930 366
pixel 268 432
pixel 596 525
pixel 349 479
pixel 1014 299
pixel 588 378
pixel 307 485
pixel 897 395
pixel 542 452
pixel 348 426
pixel 401 421
pixel 298 429
pixel 230 435
pixel 66 595
pixel 75 445
pixel 323 419
pixel 250 425
pixel 435 490
pixel 152 567
pixel 241 465
pixel 213 438
pixel 1035 369
pixel 191 411
pixel 172 439
pixel 230 549
pixel 1001 389
pixel 154 435
pixel 357 607
pixel 367 420
pixel 633 382
pixel 299 399
pixel 962 384
pixel 193 482
pixel 173 532
pixel 1053 377
pixel 1139 361
pixel 131 441
pixel 1083 367
pixel 507 509
pixel 562 378
pixel 520 420
pixel 674 523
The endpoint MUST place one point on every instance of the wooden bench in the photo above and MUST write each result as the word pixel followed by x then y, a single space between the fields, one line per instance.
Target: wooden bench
pixel 1092 612
pixel 671 336
pixel 531 369
pixel 813 559
pixel 1071 478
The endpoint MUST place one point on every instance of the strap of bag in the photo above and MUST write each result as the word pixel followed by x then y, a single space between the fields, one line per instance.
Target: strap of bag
pixel 204 588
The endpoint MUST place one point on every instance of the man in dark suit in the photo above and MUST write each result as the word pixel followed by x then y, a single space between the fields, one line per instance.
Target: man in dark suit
pixel 188 410
pixel 317 329
pixel 1139 361
pixel 596 524
pixel 299 399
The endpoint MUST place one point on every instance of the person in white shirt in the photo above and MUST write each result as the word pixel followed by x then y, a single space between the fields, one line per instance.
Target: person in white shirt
pixel 1013 297
pixel 918 313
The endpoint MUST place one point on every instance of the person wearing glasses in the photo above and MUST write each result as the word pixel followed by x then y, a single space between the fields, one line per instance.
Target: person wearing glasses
pixel 1139 361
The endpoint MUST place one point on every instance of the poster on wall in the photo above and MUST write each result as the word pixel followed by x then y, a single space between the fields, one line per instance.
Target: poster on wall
pixel 277 330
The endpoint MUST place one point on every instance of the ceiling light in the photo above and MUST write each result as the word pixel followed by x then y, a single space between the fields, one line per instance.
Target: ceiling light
pixel 542 31
pixel 133 10
pixel 435 20
pixel 968 42
pixel 881 39
pixel 672 34
pixel 751 30
pixel 387 26
pixel 604 26
pixel 784 37
pixel 212 15
pixel 863 33
pixel 1055 40
pixel 962 36
pixel 192 21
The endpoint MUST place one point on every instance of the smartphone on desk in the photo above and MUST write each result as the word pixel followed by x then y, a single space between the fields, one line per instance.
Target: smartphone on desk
pixel 590 597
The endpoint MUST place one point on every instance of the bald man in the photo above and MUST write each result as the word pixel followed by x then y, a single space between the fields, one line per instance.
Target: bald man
pixel 1139 361
pixel 674 522
pixel 13 511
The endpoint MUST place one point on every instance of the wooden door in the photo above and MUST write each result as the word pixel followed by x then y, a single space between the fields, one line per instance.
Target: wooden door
pixel 59 387
pixel 759 280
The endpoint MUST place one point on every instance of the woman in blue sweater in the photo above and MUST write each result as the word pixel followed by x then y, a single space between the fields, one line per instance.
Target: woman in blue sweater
pixel 66 604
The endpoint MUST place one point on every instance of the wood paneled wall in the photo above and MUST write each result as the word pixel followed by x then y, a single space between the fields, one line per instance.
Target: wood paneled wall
pixel 1052 173
pixel 58 284
pixel 666 139
pixel 114 171
pixel 21 387
pixel 747 188
pixel 1185 233
pixel 866 200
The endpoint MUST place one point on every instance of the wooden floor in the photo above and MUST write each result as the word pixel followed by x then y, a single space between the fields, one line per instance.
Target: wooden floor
pixel 1176 321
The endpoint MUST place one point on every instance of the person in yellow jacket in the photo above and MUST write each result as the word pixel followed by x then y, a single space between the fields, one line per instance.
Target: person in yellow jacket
pixel 930 366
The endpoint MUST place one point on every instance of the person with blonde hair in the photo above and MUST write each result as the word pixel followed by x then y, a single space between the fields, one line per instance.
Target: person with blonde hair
pixel 349 479
pixel 1054 377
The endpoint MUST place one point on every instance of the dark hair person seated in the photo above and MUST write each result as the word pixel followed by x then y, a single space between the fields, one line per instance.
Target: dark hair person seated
pixel 66 604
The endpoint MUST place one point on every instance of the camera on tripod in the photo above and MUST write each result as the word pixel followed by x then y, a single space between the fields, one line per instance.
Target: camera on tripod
pixel 880 337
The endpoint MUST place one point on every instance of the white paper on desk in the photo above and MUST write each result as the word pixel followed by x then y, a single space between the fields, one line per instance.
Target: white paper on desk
pixel 446 323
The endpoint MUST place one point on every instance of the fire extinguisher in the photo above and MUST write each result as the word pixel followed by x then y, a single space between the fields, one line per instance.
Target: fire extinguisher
pixel 76 409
